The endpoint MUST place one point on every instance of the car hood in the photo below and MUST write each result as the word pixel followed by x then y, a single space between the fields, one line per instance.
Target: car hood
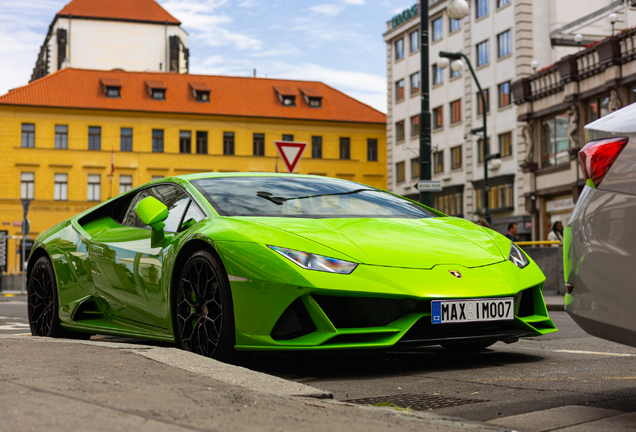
pixel 397 242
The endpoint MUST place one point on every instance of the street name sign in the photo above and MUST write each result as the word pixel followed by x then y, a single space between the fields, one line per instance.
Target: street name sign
pixel 429 185
pixel 290 152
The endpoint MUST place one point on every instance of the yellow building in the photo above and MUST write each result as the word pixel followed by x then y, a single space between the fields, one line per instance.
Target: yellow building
pixel 60 135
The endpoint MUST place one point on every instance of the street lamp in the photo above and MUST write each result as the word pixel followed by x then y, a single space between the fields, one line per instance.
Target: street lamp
pixel 612 19
pixel 456 65
pixel 578 38
pixel 457 10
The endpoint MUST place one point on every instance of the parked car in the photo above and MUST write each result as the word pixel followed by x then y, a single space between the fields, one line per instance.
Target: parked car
pixel 600 238
pixel 222 263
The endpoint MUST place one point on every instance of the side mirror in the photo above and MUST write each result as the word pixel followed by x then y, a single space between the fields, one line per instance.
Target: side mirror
pixel 152 212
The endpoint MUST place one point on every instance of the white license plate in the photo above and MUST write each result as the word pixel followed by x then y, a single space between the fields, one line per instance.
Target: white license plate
pixel 457 311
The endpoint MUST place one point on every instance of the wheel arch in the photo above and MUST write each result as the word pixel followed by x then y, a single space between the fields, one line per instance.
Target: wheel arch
pixel 36 254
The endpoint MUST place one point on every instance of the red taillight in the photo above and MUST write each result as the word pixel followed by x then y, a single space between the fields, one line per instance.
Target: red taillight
pixel 598 156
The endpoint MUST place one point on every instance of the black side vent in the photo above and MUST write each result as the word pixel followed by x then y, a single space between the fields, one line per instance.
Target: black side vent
pixel 87 310
pixel 352 312
pixel 526 305
pixel 294 322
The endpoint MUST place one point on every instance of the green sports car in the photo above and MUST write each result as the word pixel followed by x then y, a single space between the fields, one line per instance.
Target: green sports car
pixel 222 263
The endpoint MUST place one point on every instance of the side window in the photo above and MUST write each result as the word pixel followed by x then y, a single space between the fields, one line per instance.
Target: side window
pixel 172 196
pixel 192 216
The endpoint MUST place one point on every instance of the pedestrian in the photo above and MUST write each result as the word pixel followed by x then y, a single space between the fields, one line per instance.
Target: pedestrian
pixel 512 231
pixel 483 222
pixel 556 233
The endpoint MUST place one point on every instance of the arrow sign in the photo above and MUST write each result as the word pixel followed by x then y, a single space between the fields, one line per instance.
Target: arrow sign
pixel 290 152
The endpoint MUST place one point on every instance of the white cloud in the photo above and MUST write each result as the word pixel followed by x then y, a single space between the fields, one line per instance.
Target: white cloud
pixel 326 9
pixel 353 2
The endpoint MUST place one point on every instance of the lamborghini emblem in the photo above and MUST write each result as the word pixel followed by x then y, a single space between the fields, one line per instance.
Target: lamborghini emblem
pixel 455 273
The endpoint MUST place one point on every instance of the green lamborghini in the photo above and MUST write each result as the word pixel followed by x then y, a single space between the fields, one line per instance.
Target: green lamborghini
pixel 222 263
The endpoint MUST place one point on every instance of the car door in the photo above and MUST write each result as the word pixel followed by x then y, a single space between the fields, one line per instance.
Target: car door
pixel 127 270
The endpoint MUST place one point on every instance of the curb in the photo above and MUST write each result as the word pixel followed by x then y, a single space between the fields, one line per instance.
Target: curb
pixel 555 307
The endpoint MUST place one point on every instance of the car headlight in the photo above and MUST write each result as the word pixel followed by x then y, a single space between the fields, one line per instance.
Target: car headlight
pixel 316 262
pixel 518 257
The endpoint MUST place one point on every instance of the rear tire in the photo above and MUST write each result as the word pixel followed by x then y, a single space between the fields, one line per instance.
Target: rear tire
pixel 43 305
pixel 203 312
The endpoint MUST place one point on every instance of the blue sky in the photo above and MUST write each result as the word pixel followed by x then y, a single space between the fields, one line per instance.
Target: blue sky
pixel 338 42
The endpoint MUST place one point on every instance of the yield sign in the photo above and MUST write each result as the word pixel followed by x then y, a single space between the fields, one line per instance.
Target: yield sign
pixel 291 152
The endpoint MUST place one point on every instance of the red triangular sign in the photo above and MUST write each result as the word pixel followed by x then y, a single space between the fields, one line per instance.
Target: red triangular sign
pixel 290 152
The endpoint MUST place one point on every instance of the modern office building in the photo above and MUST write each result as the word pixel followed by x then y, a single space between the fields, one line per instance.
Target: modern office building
pixel 77 137
pixel 131 35
pixel 504 40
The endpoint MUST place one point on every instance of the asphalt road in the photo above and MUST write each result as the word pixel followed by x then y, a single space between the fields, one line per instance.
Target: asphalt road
pixel 565 368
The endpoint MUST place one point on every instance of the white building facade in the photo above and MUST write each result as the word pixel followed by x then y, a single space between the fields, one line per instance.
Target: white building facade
pixel 113 36
pixel 502 39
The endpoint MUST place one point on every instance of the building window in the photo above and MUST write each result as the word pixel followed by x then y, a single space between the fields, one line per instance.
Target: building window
pixel 456 157
pixel 455 73
pixel 438 117
pixel 502 3
pixel 228 143
pixel 202 142
pixel 438 75
pixel 28 135
pixel 438 162
pixel 499 197
pixel 125 183
pixel 157 140
pixel 480 149
pixel 399 131
pixel 450 204
pixel 113 92
pixel 372 150
pixel 345 148
pixel 399 49
pixel 483 53
pixel 555 142
pixel 314 102
pixel 61 136
pixel 60 187
pixel 454 25
pixel 415 83
pixel 94 138
pixel 414 37
pixel 94 187
pixel 156 177
pixel 27 185
pixel 504 94
pixel 287 137
pixel 399 90
pixel 185 142
pixel 125 139
pixel 438 29
pixel 505 144
pixel 316 147
pixel 482 8
pixel 456 111
pixel 202 95
pixel 480 104
pixel 597 108
pixel 504 44
pixel 258 144
pixel 399 172
pixel 415 125
pixel 156 89
pixel 415 168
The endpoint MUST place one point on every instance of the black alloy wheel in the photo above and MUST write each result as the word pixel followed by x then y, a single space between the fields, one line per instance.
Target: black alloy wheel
pixel 204 316
pixel 42 302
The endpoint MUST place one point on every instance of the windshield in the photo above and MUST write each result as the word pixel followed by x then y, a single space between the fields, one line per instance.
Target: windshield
pixel 304 197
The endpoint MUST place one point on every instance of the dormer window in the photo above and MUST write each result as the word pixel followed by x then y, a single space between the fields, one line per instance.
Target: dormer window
pixel 286 96
pixel 312 97
pixel 201 92
pixel 111 87
pixel 156 90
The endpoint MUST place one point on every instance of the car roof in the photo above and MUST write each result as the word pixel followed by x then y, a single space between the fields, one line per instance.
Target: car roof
pixel 189 177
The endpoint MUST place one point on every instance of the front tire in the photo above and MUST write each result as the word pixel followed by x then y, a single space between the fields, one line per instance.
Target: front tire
pixel 203 309
pixel 42 302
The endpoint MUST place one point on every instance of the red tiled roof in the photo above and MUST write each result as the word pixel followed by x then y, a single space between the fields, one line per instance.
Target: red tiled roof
pixel 200 86
pixel 111 82
pixel 231 96
pixel 284 91
pixel 125 10
pixel 156 84
pixel 310 92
